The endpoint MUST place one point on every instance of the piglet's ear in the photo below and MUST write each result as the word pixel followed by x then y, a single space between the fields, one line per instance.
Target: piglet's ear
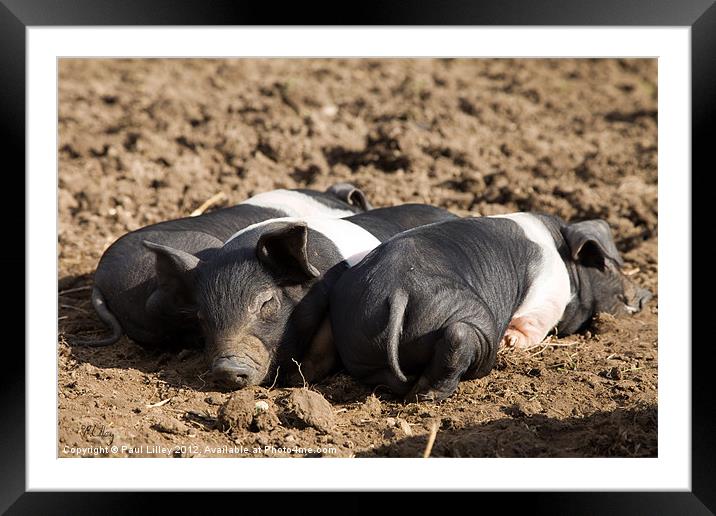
pixel 350 194
pixel 173 267
pixel 591 242
pixel 285 250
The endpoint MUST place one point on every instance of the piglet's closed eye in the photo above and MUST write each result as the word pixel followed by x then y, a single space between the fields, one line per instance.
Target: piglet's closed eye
pixel 591 241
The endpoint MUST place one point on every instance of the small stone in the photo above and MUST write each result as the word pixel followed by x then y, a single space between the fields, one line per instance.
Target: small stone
pixel 261 406
pixel 329 110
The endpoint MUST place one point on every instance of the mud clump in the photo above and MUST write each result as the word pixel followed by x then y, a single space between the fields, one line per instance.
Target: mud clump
pixel 238 411
pixel 309 408
pixel 242 412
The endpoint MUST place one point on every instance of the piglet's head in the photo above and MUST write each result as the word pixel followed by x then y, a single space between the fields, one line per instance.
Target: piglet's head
pixel 246 300
pixel 601 284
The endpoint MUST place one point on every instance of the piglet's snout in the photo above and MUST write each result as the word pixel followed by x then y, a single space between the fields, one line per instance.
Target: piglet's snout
pixel 240 362
pixel 636 297
pixel 641 298
pixel 231 373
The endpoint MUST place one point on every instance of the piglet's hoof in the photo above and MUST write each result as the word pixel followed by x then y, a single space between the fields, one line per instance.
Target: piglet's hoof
pixel 510 340
pixel 515 339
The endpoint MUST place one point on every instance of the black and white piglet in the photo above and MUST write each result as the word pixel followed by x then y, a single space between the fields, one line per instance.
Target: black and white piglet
pixel 263 297
pixel 432 305
pixel 129 298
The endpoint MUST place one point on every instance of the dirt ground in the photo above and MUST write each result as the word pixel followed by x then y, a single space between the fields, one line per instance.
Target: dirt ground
pixel 142 141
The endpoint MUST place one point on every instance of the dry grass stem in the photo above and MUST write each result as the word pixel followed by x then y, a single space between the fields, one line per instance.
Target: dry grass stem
pixel 208 204
pixel 276 378
pixel 300 372
pixel 159 403
pixel 431 440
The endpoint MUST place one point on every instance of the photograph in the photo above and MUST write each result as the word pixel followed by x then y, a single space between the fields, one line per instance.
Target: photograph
pixel 357 257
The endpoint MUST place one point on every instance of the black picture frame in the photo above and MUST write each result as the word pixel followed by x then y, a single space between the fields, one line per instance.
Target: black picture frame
pixel 16 16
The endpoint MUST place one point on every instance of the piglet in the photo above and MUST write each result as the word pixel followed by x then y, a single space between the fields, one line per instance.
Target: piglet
pixel 129 297
pixel 432 305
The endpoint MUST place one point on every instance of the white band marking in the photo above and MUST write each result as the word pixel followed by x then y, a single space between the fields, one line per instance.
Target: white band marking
pixel 295 204
pixel 550 291
pixel 352 241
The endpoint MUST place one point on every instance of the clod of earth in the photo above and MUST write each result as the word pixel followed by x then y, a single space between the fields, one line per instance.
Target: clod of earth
pixel 242 412
pixel 310 408
pixel 238 411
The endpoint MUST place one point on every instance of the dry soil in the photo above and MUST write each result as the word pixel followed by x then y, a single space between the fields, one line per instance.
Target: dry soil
pixel 142 141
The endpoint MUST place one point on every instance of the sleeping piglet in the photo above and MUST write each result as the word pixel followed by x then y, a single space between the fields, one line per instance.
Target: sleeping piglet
pixel 432 305
pixel 129 297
